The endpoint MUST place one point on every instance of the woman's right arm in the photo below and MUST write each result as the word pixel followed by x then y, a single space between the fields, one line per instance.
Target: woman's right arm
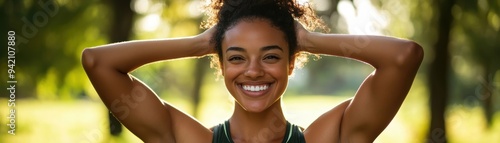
pixel 130 100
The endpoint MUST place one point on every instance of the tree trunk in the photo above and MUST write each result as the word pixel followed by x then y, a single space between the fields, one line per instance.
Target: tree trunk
pixel 485 94
pixel 438 74
pixel 199 76
pixel 120 30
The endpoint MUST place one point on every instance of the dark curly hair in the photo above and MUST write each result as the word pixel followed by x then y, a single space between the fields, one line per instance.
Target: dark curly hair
pixel 224 14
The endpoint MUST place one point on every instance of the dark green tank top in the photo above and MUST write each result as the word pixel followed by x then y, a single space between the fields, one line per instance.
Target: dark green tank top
pixel 222 134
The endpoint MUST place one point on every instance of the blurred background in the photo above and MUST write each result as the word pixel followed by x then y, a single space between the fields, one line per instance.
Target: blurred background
pixel 454 98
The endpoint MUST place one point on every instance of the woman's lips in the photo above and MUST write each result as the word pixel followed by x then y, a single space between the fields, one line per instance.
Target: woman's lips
pixel 255 90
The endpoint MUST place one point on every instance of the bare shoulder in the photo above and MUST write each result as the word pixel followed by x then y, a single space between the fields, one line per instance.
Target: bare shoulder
pixel 327 127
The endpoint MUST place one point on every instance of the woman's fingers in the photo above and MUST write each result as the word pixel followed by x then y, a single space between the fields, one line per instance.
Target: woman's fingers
pixel 207 37
pixel 301 37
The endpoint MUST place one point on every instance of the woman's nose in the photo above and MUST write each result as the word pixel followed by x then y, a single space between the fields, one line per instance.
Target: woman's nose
pixel 254 70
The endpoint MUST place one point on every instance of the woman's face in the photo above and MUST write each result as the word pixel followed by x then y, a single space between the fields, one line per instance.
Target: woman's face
pixel 255 64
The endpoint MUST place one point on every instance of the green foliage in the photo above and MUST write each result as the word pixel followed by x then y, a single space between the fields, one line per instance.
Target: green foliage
pixel 49 44
pixel 478 27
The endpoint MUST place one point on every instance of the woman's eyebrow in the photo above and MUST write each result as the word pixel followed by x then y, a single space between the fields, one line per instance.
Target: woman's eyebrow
pixel 266 48
pixel 272 47
pixel 239 49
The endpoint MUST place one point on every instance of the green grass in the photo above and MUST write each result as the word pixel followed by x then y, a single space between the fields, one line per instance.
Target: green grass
pixel 85 121
pixel 59 122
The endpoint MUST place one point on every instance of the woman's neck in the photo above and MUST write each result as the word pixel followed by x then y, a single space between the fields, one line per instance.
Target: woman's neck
pixel 266 126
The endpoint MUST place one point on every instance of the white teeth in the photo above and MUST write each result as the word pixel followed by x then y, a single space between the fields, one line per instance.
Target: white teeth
pixel 255 87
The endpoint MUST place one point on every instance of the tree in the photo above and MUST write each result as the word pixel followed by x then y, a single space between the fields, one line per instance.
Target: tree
pixel 439 72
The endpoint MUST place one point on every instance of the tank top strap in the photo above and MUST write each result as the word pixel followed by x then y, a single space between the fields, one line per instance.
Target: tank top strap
pixel 222 134
pixel 293 134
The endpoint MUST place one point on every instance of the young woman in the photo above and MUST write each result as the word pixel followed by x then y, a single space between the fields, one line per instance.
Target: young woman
pixel 256 45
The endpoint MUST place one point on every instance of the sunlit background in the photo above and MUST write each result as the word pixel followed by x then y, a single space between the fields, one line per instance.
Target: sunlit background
pixel 56 103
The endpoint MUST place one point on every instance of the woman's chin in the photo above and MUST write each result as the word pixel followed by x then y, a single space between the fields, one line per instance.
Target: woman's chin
pixel 255 110
pixel 254 107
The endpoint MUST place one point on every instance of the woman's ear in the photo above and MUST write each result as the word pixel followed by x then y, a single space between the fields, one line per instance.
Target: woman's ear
pixel 221 68
pixel 216 63
pixel 291 65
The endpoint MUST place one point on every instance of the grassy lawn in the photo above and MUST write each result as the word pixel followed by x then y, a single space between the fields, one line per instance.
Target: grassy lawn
pixel 59 122
pixel 85 121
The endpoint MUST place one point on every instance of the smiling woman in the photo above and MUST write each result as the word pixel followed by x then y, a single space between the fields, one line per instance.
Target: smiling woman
pixel 256 45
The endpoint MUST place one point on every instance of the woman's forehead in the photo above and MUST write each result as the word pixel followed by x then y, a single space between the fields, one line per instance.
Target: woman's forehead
pixel 254 34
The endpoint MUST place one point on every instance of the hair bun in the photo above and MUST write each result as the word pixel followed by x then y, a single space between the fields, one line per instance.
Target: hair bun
pixel 221 10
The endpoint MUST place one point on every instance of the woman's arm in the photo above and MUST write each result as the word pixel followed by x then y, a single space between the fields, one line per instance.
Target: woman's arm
pixel 379 97
pixel 127 56
pixel 130 100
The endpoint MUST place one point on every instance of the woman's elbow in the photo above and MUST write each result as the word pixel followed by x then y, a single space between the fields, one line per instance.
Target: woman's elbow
pixel 411 55
pixel 88 59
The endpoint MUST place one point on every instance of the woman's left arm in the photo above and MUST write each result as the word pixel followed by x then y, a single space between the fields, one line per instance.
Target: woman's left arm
pixel 380 96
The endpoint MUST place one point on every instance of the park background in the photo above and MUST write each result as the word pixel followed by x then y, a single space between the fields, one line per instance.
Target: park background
pixel 454 97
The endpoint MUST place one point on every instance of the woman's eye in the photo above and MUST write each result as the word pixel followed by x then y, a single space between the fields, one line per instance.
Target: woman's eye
pixel 271 57
pixel 235 58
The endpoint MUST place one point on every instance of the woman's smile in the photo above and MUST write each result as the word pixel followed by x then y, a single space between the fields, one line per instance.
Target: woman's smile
pixel 255 90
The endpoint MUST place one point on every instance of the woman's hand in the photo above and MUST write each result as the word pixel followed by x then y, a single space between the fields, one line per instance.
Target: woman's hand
pixel 303 44
pixel 207 43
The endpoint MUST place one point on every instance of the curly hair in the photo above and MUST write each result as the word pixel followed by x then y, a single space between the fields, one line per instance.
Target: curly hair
pixel 282 14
